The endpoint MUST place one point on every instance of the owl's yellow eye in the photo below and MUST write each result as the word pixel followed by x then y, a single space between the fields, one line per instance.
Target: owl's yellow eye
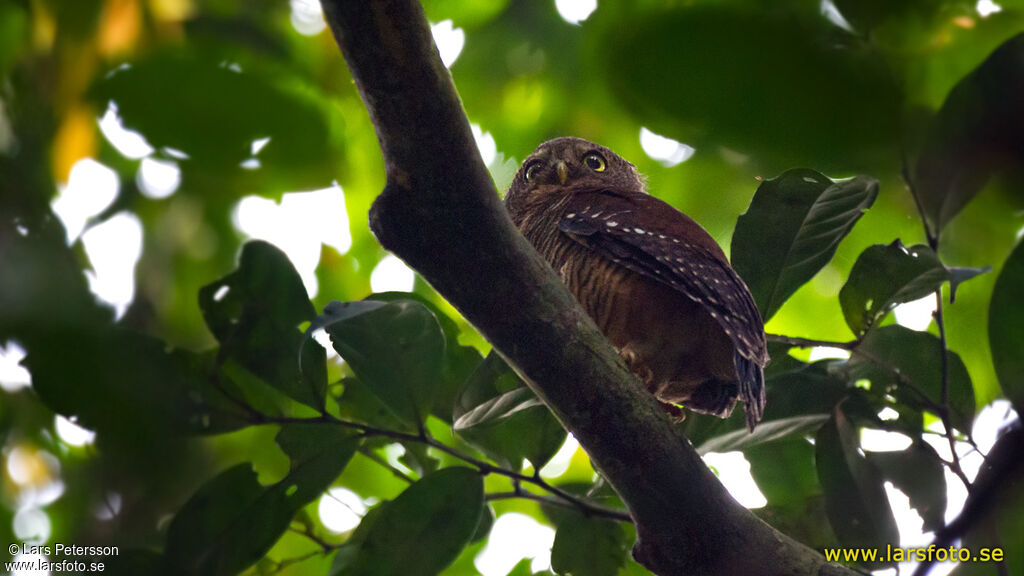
pixel 595 162
pixel 531 171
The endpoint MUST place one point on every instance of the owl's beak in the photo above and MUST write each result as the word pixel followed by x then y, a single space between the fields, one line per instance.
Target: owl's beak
pixel 563 172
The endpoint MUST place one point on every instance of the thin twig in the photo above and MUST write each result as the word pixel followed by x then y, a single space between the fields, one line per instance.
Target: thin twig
pixel 944 395
pixel 281 565
pixel 323 544
pixel 591 511
pixel 810 343
pixel 484 467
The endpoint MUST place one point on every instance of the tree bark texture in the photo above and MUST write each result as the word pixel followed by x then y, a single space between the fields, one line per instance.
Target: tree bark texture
pixel 440 213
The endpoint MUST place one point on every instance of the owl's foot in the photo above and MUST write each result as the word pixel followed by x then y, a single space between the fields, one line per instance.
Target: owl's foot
pixel 674 412
pixel 714 397
pixel 637 366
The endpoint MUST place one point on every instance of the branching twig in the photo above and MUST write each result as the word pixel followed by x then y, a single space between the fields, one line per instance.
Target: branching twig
pixel 581 504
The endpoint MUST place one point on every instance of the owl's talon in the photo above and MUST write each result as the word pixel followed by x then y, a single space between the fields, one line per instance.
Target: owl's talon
pixel 637 367
pixel 674 412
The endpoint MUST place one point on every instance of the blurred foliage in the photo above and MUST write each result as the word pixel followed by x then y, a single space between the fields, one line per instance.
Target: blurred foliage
pixel 220 422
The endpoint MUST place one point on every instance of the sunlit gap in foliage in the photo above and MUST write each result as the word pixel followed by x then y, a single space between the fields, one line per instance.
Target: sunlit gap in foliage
pixel 665 150
pixel 307 17
pixel 916 315
pixel 13 376
pixel 575 11
pixel 299 225
pixel 827 352
pixel 515 536
pixel 158 179
pixel 391 275
pixel 985 433
pixel 113 246
pixel 733 472
pixel 71 433
pixel 449 41
pixel 560 462
pixel 341 510
pixel 987 8
pixel 832 14
pixel 35 482
pixel 129 143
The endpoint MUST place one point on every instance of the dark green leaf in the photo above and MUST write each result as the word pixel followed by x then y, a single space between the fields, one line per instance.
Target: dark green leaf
pixel 886 275
pixel 918 472
pixel 214 112
pixel 359 404
pixel 784 471
pixel 910 363
pixel 498 414
pixel 751 80
pixel 799 401
pixel 589 547
pixel 1005 319
pixel 459 361
pixel 855 499
pixel 423 530
pixel 792 229
pixel 264 285
pixel 975 134
pixel 254 312
pixel 232 521
pixel 131 385
pixel 396 350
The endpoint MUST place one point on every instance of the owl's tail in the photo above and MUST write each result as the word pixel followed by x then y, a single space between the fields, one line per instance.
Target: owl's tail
pixel 751 377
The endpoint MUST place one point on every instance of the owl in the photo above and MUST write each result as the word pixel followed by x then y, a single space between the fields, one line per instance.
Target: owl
pixel 655 282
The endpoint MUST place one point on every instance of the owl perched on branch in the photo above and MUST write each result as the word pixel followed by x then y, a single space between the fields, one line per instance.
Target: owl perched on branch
pixel 656 283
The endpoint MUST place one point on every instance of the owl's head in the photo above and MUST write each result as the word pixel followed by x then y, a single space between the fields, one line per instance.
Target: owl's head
pixel 561 166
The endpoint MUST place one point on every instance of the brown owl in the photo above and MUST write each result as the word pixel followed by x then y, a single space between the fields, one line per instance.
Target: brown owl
pixel 656 283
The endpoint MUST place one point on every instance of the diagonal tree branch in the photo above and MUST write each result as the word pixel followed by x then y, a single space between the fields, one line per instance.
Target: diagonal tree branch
pixel 440 213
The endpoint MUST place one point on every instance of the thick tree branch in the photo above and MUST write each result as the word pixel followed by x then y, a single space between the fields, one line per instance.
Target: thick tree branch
pixel 440 213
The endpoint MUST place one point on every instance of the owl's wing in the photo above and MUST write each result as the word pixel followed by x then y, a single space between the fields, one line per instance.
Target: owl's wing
pixel 652 238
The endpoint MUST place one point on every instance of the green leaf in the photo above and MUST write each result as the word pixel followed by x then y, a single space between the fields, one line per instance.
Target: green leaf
pixel 792 229
pixel 213 112
pixel 784 471
pixel 502 417
pixel 909 363
pixel 959 274
pixel 395 349
pixel 799 401
pixel 1005 318
pixel 254 312
pixel 232 521
pixel 753 80
pixel 422 531
pixel 589 547
pixel 855 499
pixel 884 276
pixel 918 472
pixel 130 385
pixel 459 361
pixel 975 134
pixel 265 285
